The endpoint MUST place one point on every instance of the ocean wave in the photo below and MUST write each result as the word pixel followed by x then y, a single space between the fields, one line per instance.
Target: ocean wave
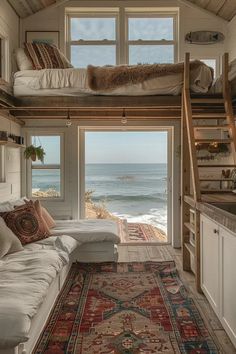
pixel 162 197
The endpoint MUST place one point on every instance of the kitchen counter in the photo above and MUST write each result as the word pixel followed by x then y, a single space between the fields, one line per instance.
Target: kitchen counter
pixel 222 217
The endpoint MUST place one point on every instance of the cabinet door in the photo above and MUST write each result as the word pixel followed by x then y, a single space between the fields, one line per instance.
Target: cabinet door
pixel 228 282
pixel 210 261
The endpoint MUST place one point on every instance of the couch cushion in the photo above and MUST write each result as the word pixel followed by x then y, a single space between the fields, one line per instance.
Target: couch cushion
pixel 24 281
pixel 26 224
pixel 9 243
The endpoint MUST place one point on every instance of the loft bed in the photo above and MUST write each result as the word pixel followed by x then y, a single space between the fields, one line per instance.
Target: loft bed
pixel 141 101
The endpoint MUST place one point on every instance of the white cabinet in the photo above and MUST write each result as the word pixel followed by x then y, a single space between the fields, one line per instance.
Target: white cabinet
pixel 218 272
pixel 210 261
pixel 228 282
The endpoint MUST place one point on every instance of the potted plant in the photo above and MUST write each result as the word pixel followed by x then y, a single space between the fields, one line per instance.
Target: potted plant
pixel 34 152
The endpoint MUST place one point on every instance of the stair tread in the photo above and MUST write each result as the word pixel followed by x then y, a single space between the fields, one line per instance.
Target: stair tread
pixel 190 248
pixel 189 226
pixel 210 191
pixel 230 166
pixel 223 141
pixel 216 179
pixel 218 127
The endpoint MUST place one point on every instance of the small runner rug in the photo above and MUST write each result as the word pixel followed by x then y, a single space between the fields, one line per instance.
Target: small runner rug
pixel 125 308
pixel 140 232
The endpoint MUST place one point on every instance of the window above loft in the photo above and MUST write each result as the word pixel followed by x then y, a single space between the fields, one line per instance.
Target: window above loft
pixel 121 36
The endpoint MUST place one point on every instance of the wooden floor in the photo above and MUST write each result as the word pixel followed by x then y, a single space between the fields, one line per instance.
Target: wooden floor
pixel 165 253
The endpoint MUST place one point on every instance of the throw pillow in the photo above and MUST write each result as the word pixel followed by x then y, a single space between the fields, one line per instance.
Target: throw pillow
pixel 39 210
pixel 48 218
pixel 9 243
pixel 45 56
pixel 26 224
pixel 22 60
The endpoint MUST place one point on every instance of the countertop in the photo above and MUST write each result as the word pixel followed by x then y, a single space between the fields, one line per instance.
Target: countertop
pixel 221 216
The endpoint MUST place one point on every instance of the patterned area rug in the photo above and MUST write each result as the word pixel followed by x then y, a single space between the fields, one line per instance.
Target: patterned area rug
pixel 125 308
pixel 137 232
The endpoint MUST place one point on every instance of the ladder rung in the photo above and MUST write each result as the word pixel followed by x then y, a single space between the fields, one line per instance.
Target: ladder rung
pixel 190 227
pixel 207 100
pixel 217 127
pixel 212 191
pixel 218 141
pixel 209 115
pixel 190 248
pixel 229 166
pixel 216 179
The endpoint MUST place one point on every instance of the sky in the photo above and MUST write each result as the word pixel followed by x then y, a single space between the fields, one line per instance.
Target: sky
pixel 112 147
pixel 126 147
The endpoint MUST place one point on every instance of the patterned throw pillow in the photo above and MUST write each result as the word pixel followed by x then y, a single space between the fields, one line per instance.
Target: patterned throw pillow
pixel 26 224
pixel 46 56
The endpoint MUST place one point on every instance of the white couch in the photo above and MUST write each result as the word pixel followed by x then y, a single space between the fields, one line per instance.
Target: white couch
pixel 31 279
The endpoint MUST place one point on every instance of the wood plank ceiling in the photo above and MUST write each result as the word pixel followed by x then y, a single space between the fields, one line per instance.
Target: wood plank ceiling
pixel 223 8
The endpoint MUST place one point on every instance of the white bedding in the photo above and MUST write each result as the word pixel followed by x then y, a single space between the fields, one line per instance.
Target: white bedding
pixel 85 231
pixel 74 82
pixel 25 277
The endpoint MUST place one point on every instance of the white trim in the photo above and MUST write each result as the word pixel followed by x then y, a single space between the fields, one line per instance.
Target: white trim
pixel 122 15
pixel 61 166
pixel 173 170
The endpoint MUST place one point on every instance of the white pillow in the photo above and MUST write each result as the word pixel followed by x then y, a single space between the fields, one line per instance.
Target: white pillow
pixel 66 243
pixel 9 243
pixel 6 207
pixel 22 60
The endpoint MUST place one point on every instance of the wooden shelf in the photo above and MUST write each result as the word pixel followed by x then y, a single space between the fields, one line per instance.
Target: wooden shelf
pixel 216 166
pixel 210 191
pixel 210 141
pixel 190 227
pixel 11 144
pixel 216 179
pixel 190 248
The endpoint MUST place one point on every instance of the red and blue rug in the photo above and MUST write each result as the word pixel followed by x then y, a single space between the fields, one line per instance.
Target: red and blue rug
pixel 125 308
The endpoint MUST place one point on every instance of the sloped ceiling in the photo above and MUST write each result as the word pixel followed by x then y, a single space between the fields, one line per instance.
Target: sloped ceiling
pixel 223 8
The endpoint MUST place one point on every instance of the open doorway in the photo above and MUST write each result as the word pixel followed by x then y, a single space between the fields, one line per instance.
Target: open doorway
pixel 128 179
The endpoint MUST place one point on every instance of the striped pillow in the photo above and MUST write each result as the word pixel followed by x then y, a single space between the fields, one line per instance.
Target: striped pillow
pixel 46 56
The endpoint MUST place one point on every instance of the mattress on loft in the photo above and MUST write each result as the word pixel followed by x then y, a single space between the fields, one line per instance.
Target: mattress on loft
pixel 74 82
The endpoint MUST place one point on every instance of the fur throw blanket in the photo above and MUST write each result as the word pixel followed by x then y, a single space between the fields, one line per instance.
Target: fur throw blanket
pixel 111 77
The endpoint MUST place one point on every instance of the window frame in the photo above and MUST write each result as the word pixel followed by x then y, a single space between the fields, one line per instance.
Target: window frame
pixel 122 15
pixel 94 14
pixel 61 166
pixel 162 42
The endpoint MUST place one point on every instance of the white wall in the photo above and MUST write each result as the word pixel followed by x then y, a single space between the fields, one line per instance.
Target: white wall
pixel 9 30
pixel 11 189
pixel 231 36
pixel 190 19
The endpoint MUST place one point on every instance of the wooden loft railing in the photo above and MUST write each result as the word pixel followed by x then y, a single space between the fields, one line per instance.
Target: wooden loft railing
pixel 220 109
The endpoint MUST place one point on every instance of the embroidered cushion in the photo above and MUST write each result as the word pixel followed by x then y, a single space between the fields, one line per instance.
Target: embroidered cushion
pixel 45 56
pixel 9 243
pixel 26 224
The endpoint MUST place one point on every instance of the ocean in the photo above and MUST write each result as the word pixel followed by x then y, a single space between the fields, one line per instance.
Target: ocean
pixel 136 192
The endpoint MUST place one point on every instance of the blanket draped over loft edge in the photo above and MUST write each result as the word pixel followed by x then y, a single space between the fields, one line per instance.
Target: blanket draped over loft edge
pixel 111 77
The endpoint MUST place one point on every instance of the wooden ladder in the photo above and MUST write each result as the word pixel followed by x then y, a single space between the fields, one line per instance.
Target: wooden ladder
pixel 195 109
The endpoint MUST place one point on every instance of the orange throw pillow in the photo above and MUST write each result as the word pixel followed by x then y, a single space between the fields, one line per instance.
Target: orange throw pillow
pixel 39 210
pixel 26 224
pixel 47 217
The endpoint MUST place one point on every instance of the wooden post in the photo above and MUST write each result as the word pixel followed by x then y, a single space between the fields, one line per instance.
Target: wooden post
pixel 190 130
pixel 228 103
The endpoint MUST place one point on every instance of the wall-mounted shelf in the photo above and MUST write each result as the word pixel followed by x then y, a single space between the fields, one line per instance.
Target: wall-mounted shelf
pixel 11 144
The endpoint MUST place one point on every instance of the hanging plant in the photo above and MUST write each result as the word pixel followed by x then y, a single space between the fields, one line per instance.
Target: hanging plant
pixel 34 152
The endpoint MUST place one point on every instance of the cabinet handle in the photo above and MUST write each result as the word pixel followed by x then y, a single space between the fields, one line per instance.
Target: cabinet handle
pixel 216 231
